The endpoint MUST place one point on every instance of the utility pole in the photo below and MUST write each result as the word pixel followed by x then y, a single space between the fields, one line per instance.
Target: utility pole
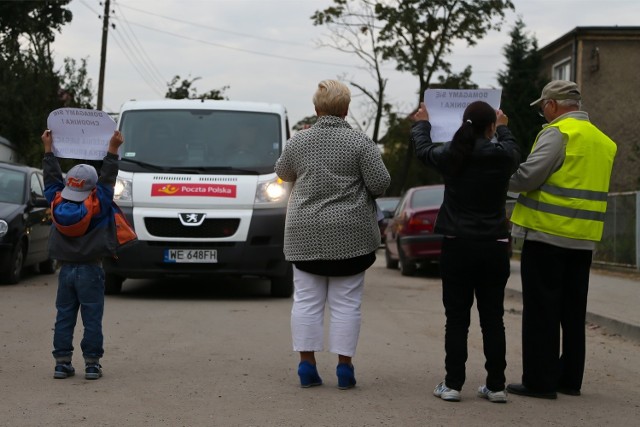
pixel 103 52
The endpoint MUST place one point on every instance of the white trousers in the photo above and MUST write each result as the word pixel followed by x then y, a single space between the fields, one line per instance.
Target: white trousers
pixel 343 296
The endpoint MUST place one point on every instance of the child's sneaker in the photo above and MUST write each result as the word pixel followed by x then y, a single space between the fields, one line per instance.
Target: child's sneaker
pixel 92 371
pixel 492 396
pixel 446 393
pixel 63 370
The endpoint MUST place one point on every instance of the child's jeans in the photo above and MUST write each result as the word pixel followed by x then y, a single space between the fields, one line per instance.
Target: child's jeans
pixel 80 287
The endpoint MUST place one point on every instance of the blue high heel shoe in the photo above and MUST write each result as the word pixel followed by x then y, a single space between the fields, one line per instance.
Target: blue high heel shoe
pixel 346 376
pixel 308 374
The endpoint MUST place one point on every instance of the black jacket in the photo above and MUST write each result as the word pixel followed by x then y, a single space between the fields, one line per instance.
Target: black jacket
pixel 474 200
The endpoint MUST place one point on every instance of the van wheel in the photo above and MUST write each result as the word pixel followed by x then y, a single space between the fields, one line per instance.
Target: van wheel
pixel 282 286
pixel 112 284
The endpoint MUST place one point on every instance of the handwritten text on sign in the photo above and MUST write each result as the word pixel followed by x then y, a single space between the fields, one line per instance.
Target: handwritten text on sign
pixel 446 107
pixel 80 133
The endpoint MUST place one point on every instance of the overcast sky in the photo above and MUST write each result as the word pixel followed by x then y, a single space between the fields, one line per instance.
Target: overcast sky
pixel 267 50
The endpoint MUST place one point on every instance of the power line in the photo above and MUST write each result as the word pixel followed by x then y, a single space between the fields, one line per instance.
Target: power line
pixel 289 58
pixel 135 42
pixel 133 63
pixel 195 24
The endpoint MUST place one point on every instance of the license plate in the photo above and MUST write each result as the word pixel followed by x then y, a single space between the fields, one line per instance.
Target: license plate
pixel 191 255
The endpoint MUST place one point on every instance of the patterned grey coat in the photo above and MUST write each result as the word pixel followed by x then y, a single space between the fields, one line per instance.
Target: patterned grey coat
pixel 337 172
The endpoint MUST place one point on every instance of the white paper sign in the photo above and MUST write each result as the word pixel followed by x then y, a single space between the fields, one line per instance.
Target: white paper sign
pixel 80 134
pixel 446 107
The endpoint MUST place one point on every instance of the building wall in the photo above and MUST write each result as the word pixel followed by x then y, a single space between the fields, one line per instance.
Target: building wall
pixel 605 66
pixel 610 84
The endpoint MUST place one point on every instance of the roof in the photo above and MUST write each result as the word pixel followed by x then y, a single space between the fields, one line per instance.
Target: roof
pixel 581 32
pixel 206 104
pixel 17 167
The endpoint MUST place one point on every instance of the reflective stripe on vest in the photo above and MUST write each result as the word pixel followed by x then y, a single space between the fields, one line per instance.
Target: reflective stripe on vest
pixel 573 201
pixel 91 203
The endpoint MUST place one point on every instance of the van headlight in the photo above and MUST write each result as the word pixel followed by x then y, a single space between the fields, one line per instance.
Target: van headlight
pixel 122 190
pixel 272 191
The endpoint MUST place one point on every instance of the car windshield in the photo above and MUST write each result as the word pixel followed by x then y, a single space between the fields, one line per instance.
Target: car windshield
pixel 12 186
pixel 427 197
pixel 388 205
pixel 201 139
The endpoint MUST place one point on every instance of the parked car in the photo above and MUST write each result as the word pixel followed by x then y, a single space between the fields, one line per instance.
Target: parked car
pixel 387 206
pixel 25 222
pixel 409 237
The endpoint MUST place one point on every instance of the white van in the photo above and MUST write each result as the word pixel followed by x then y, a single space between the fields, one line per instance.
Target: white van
pixel 197 182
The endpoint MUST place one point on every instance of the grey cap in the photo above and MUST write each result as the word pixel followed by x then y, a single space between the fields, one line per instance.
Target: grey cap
pixel 558 90
pixel 79 182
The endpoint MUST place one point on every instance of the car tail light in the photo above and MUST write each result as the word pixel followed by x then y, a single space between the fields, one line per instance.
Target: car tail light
pixel 420 223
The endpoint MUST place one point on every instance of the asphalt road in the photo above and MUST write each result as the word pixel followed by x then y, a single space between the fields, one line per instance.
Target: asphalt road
pixel 218 353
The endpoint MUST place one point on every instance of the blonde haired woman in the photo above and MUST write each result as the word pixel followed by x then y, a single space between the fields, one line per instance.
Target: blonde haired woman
pixel 331 231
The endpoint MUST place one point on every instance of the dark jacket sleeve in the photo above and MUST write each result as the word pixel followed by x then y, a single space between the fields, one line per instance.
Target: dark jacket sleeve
pixel 507 141
pixel 426 151
pixel 53 181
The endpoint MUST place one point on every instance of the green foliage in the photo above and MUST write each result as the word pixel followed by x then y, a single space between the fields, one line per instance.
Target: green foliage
pixel 521 84
pixel 75 87
pixel 28 83
pixel 419 34
pixel 305 123
pixel 458 81
pixel 183 89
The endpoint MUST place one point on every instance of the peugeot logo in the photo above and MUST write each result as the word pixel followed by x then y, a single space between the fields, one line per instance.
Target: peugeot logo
pixel 192 219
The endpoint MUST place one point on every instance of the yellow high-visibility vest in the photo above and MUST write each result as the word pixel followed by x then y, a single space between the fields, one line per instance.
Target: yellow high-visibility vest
pixel 573 201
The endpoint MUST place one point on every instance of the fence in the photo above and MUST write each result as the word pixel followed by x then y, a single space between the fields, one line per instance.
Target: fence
pixel 620 242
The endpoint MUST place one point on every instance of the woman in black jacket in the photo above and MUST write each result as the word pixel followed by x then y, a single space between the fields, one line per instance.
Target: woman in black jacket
pixel 475 258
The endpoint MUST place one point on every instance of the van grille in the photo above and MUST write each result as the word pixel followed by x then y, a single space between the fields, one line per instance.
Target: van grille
pixel 172 227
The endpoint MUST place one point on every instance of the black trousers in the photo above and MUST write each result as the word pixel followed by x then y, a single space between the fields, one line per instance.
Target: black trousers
pixel 482 268
pixel 555 283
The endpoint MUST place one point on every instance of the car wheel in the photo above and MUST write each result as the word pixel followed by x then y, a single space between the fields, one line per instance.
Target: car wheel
pixel 48 267
pixel 282 286
pixel 112 284
pixel 407 268
pixel 14 271
pixel 391 263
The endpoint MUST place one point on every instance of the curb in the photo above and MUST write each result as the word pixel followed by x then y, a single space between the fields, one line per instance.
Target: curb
pixel 625 330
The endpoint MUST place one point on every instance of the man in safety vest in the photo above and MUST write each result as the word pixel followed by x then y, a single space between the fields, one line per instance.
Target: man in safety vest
pixel 560 212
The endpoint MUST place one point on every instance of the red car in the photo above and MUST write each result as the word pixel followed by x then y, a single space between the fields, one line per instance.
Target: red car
pixel 409 236
pixel 386 206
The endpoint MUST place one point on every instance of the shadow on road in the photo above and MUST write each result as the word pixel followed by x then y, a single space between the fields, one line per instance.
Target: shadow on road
pixel 196 289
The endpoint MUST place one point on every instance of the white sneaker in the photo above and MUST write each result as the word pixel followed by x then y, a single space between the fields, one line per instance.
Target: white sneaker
pixel 446 393
pixel 492 396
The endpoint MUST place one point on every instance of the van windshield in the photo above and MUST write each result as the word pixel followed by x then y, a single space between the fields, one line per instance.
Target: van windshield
pixel 206 139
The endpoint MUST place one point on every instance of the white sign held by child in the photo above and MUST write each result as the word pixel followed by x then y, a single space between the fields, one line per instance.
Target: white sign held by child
pixel 80 133
pixel 446 107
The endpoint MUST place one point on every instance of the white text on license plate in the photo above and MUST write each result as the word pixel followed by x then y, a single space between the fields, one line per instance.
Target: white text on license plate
pixel 191 255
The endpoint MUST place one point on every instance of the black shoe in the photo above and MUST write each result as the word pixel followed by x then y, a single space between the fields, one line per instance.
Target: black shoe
pixel 522 390
pixel 569 391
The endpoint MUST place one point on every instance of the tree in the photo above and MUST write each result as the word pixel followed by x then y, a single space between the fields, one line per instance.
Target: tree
pixel 177 89
pixel 522 83
pixel 352 24
pixel 305 123
pixel 419 34
pixel 75 85
pixel 28 82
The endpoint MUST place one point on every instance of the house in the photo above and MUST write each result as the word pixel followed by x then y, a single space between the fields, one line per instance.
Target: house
pixel 605 63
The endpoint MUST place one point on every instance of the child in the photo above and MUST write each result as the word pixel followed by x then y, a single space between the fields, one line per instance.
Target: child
pixel 83 232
